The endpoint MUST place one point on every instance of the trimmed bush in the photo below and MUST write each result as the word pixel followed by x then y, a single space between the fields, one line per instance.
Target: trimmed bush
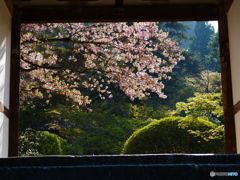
pixel 176 135
pixel 51 144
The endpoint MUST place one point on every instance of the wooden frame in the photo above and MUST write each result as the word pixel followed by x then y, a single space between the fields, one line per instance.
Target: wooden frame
pixel 9 4
pixel 14 87
pixel 117 14
pixel 229 119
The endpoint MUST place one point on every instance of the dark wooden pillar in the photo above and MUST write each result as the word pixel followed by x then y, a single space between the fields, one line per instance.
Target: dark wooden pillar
pixel 14 87
pixel 229 120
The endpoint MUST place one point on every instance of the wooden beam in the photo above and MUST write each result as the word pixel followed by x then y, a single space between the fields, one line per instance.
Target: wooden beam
pixel 237 107
pixel 118 2
pixel 131 13
pixel 9 4
pixel 228 4
pixel 229 120
pixel 14 87
pixel 4 110
pixel 74 0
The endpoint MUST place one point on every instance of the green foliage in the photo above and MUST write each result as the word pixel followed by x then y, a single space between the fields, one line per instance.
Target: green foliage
pixel 146 112
pixel 33 143
pixel 103 126
pixel 33 110
pixel 203 32
pixel 206 105
pixel 175 135
pixel 29 143
pixel 177 30
pixel 213 58
pixel 178 89
pixel 96 132
pixel 51 144
pixel 213 136
pixel 206 82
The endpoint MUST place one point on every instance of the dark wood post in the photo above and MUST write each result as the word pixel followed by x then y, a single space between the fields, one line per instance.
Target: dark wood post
pixel 229 120
pixel 14 87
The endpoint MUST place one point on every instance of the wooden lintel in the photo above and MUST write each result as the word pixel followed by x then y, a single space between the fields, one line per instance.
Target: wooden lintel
pixel 131 13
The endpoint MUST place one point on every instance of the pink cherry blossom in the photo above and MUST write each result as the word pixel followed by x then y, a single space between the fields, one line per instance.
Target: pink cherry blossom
pixel 58 58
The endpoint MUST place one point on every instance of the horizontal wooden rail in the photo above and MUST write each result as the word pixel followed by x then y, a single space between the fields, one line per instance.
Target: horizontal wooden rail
pixel 4 110
pixel 237 107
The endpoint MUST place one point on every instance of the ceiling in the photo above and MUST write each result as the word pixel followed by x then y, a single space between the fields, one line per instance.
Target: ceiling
pixel 36 3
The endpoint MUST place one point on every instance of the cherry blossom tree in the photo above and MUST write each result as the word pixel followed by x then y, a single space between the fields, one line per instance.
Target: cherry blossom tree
pixel 64 58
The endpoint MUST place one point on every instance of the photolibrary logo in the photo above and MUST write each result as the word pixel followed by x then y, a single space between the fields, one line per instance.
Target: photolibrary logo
pixel 213 174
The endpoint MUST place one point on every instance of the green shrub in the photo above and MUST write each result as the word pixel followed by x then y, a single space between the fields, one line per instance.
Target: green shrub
pixel 33 143
pixel 176 135
pixel 29 143
pixel 51 144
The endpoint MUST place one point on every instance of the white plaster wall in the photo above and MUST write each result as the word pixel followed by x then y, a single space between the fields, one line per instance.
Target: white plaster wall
pixel 5 46
pixel 234 43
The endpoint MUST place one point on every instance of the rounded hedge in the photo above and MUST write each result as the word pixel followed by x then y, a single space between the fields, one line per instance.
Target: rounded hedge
pixel 175 135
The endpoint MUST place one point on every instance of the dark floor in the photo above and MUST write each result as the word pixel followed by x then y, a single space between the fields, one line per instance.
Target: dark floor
pixel 122 167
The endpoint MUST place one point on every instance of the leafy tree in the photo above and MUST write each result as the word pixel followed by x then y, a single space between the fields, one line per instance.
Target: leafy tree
pixel 32 110
pixel 207 105
pixel 206 82
pixel 96 132
pixel 177 30
pixel 67 58
pixel 213 58
pixel 176 135
pixel 144 112
pixel 28 143
pixel 51 144
pixel 178 88
pixel 203 32
pixel 34 143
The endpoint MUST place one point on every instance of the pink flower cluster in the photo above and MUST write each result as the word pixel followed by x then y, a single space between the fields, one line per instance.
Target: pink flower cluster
pixel 57 58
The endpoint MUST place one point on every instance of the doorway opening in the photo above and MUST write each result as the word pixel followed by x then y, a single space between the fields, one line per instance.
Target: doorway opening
pixel 87 87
